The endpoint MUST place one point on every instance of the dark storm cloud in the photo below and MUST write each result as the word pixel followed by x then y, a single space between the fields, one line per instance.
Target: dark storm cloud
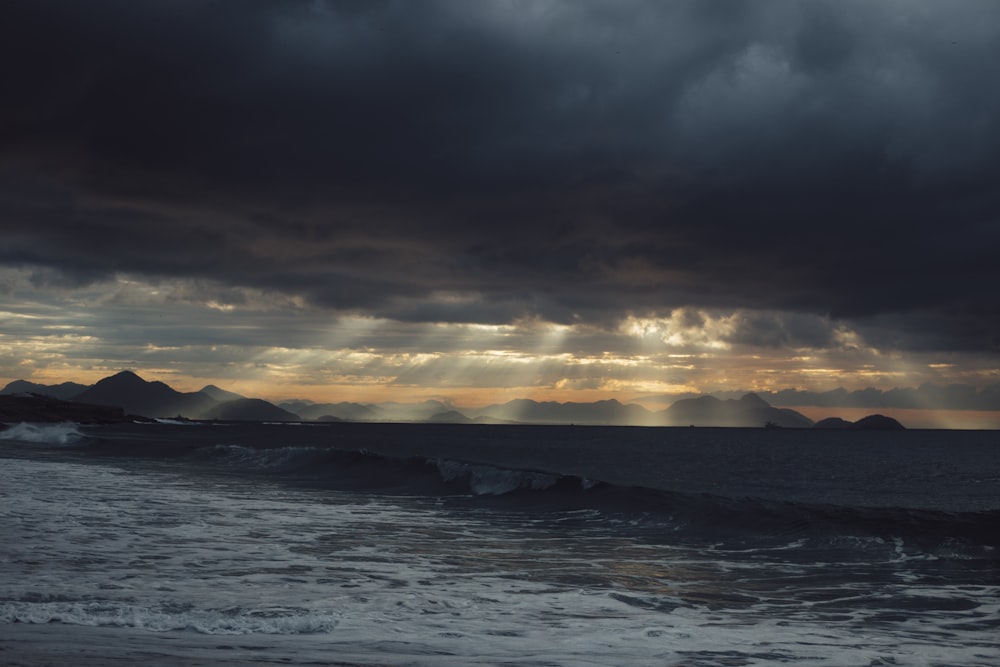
pixel 566 160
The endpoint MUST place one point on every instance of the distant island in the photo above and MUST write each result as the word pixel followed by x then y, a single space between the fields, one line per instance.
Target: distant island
pixel 125 396
pixel 871 422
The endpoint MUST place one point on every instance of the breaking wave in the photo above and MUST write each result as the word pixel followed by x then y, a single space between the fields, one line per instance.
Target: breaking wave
pixel 364 469
pixel 484 480
pixel 750 520
pixel 738 522
pixel 66 433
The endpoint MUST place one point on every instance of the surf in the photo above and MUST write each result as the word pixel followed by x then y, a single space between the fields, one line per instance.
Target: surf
pixel 66 433
pixel 737 522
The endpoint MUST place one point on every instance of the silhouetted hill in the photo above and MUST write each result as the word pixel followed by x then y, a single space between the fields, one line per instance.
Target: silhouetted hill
pixel 700 411
pixel 38 408
pixel 950 397
pixel 878 422
pixel 343 411
pixel 871 422
pixel 449 417
pixel 749 411
pixel 410 412
pixel 366 412
pixel 136 396
pixel 220 395
pixel 833 423
pixel 298 406
pixel 550 412
pixel 151 399
pixel 250 409
pixel 484 419
pixel 65 391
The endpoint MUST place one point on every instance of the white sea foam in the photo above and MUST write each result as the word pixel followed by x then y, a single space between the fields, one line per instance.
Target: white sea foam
pixel 232 621
pixel 66 433
pixel 375 579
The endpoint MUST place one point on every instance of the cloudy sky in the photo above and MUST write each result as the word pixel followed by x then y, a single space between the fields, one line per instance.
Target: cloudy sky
pixel 567 199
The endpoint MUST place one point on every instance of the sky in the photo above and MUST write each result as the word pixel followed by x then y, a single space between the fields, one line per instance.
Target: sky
pixel 478 201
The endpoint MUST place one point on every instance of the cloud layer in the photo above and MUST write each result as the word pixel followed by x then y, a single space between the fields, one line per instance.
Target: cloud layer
pixel 807 168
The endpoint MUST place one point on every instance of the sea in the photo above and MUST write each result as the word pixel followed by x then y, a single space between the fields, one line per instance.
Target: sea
pixel 182 544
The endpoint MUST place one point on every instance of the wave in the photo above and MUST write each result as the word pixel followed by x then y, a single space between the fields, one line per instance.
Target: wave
pixel 484 480
pixel 228 621
pixel 735 520
pixel 738 522
pixel 66 433
pixel 364 468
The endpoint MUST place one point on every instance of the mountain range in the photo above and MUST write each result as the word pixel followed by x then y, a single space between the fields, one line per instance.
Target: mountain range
pixel 136 396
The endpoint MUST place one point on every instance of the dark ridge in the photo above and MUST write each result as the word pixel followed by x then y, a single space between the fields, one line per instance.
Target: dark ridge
pixel 606 412
pixel 250 409
pixel 833 423
pixel 221 395
pixel 749 411
pixel 37 408
pixel 879 422
pixel 152 399
pixel 66 391
pixel 449 417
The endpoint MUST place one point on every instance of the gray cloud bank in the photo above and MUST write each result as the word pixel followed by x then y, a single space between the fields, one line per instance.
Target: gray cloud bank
pixel 490 161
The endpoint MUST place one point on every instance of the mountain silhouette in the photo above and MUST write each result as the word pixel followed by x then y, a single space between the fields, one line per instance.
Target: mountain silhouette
pixel 65 391
pixel 833 423
pixel 220 395
pixel 608 412
pixel 878 422
pixel 410 412
pixel 249 409
pixel 950 397
pixel 136 396
pixel 449 417
pixel 869 423
pixel 366 412
pixel 343 411
pixel 749 411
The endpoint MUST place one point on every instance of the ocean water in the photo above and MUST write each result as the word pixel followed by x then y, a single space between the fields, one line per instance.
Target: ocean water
pixel 389 544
